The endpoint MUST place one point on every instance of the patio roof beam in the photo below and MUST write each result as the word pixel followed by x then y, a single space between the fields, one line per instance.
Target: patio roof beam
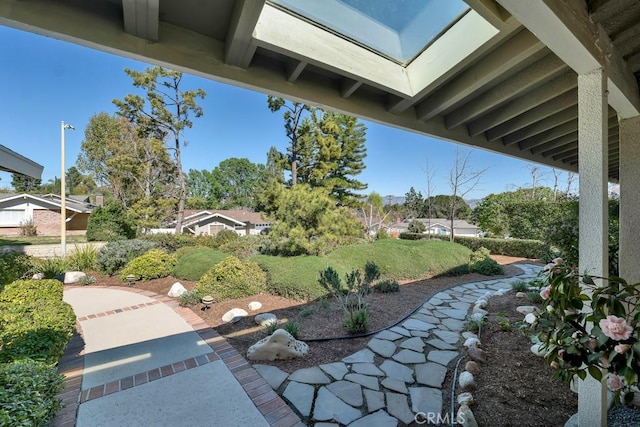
pixel 549 91
pixel 141 18
pixel 294 69
pixel 570 114
pixel 529 79
pixel 239 45
pixel 349 87
pixel 560 149
pixel 548 135
pixel 565 27
pixel 572 137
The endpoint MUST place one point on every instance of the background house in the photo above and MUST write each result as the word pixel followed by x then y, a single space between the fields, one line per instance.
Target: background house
pixel 440 226
pixel 211 222
pixel 44 211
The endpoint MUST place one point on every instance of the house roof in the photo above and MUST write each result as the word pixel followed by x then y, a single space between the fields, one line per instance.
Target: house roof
pixel 511 88
pixel 240 217
pixel 51 199
pixel 458 224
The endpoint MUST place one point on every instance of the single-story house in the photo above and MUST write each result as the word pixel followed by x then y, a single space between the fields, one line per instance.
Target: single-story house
pixel 210 222
pixel 44 211
pixel 440 226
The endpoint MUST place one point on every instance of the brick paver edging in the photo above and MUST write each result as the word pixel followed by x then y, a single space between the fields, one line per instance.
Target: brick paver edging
pixel 275 411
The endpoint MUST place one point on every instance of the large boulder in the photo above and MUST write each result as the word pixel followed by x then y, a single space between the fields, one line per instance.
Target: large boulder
pixel 234 315
pixel 278 346
pixel 71 277
pixel 177 289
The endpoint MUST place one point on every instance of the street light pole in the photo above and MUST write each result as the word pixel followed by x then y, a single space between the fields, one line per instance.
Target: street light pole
pixel 63 195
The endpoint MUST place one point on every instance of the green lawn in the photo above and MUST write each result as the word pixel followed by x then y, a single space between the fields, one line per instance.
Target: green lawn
pixel 296 277
pixel 39 240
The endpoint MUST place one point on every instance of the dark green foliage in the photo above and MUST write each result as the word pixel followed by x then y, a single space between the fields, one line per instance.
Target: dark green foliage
pixel 387 286
pixel 151 265
pixel 416 226
pixel 231 279
pixel 13 266
pixel 36 323
pixel 83 258
pixel 170 242
pixel 510 247
pixel 114 256
pixel 28 393
pixel 459 270
pixel 225 236
pixel 357 322
pixel 109 223
pixel 293 328
pixel 412 236
pixel 243 247
pixel 487 267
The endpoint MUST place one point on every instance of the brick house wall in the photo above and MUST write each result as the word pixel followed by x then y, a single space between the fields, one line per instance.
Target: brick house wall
pixel 48 222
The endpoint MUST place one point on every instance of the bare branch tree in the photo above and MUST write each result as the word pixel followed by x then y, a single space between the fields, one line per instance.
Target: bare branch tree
pixel 570 179
pixel 462 179
pixel 430 187
pixel 556 177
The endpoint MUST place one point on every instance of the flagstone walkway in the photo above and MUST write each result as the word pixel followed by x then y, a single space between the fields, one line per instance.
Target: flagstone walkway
pixel 400 372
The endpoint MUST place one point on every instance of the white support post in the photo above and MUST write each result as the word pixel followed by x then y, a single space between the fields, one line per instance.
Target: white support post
pixel 593 239
pixel 629 200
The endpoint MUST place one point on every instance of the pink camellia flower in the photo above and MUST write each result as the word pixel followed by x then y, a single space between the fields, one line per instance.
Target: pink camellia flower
pixel 615 328
pixel 614 382
pixel 604 362
pixel 558 261
pixel 622 348
pixel 561 353
pixel 545 292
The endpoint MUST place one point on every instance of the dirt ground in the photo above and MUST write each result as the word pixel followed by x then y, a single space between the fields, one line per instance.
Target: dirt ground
pixel 513 387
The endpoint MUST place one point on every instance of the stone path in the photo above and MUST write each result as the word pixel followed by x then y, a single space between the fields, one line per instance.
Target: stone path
pixel 400 372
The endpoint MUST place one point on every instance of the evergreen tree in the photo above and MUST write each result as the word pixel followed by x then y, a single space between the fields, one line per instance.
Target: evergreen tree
pixel 24 184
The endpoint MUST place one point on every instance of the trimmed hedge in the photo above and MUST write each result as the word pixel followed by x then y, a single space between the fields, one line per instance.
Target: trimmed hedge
pixel 231 279
pixel 151 265
pixel 36 323
pixel 509 247
pixel 28 390
pixel 13 266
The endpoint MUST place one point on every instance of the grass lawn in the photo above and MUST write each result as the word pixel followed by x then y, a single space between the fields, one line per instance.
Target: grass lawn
pixel 39 240
pixel 297 277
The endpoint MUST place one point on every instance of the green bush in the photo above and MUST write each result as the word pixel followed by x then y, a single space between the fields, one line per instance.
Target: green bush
pixel 36 323
pixel 13 266
pixel 479 255
pixel 153 264
pixel 387 286
pixel 115 255
pixel 231 279
pixel 28 392
pixel 382 234
pixel 358 322
pixel 243 247
pixel 509 247
pixel 109 223
pixel 487 267
pixel 416 226
pixel 413 236
pixel 459 270
pixel 50 268
pixel 192 265
pixel 83 258
pixel 293 328
pixel 190 298
pixel 170 242
pixel 520 286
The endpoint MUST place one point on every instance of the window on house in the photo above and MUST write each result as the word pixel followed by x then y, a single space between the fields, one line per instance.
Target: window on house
pixel 12 216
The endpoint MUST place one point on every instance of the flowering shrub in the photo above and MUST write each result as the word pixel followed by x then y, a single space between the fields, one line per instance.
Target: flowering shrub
pixel 590 328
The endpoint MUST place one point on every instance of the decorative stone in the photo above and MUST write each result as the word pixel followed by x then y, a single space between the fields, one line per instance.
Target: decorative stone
pixel 537 350
pixel 468 334
pixel 177 289
pixel 255 305
pixel 460 305
pixel 397 371
pixel 478 310
pixel 71 277
pixel 472 342
pixel 280 345
pixel 378 419
pixel 383 347
pixel 481 303
pixel 329 407
pixel 233 315
pixel 525 309
pixel 375 399
pixel 442 357
pixel 312 375
pixel 426 400
pixel 337 369
pixel 531 318
pixel 477 354
pixel 300 396
pixel 477 317
pixel 349 392
pixel 501 292
pixel 398 407
pixel 466 380
pixel 521 295
pixel 431 374
pixel 38 276
pixel 415 344
pixel 422 334
pixel 409 356
pixel 395 385
pixel 265 319
pixel 362 356
pixel 472 367
pixel 465 417
pixel 367 369
pixel 465 398
pixel 364 380
pixel 272 375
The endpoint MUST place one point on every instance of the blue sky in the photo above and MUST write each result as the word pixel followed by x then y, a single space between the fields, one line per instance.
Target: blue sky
pixel 47 81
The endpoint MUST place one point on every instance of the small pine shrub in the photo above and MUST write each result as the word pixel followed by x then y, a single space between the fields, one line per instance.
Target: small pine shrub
pixel 487 267
pixel 109 223
pixel 292 328
pixel 520 286
pixel 357 322
pixel 83 258
pixel 28 393
pixel 459 270
pixel 307 312
pixel 13 266
pixel 115 255
pixel 231 279
pixel 386 286
pixel 416 226
pixel 153 264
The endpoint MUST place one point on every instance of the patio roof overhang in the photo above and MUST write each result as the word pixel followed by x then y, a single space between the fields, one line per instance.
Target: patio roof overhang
pixel 501 77
pixel 12 162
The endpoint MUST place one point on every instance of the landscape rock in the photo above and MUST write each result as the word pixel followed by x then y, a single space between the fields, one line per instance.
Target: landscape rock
pixel 364 380
pixel 255 305
pixel 265 319
pixel 177 289
pixel 409 356
pixel 431 374
pixel 472 367
pixel 472 342
pixel 415 344
pixel 398 407
pixel 520 295
pixel 280 345
pixel 363 356
pixel 466 380
pixel 383 347
pixel 537 350
pixel 525 309
pixel 336 369
pixel 395 385
pixel 479 310
pixel 531 318
pixel 442 357
pixel 477 316
pixel 71 277
pixel 477 354
pixel 347 391
pixel 234 315
pixel 367 369
pixel 397 371
pixel 500 292
pixel 426 400
pixel 468 334
pixel 481 303
pixel 465 398
pixel 38 276
pixel 465 416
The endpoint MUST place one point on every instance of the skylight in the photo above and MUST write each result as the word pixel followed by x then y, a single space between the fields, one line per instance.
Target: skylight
pixel 396 29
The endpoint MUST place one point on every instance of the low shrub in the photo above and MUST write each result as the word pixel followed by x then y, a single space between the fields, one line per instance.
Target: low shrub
pixel 243 247
pixel 510 247
pixel 87 280
pixel 190 298
pixel 520 286
pixel 231 279
pixel 36 322
pixel 293 328
pixel 28 228
pixel 412 236
pixel 170 242
pixel 357 322
pixel 28 390
pixel 83 258
pixel 416 226
pixel 459 270
pixel 109 223
pixel 13 266
pixel 151 265
pixel 114 256
pixel 386 286
pixel 473 324
pixel 487 267
pixel 50 268
pixel 223 237
pixel 382 234
pixel 534 297
pixel 479 255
